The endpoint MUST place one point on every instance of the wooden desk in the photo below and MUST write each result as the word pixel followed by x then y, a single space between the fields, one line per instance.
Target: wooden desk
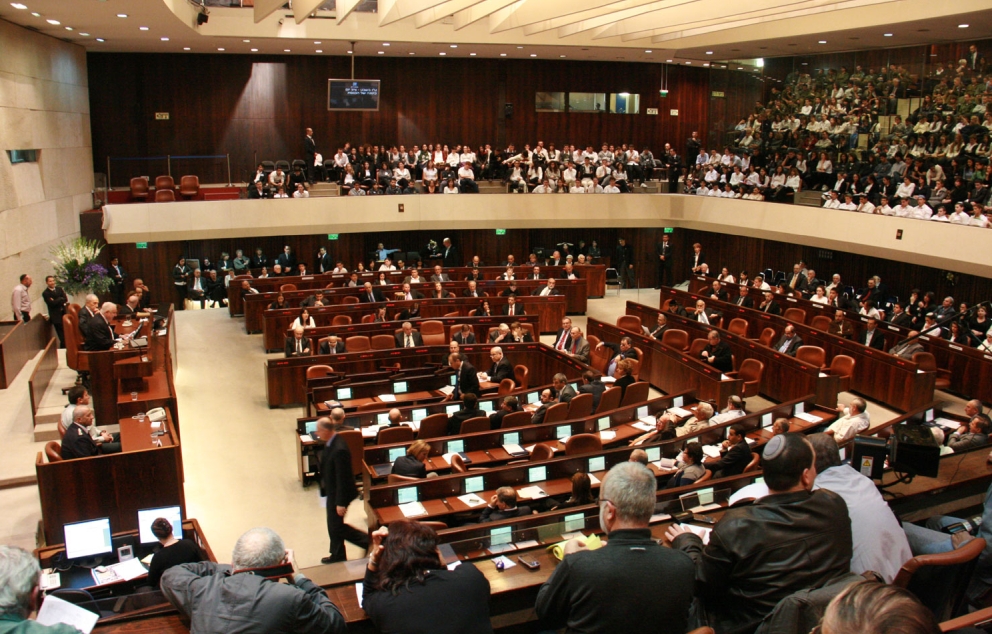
pixel 113 485
pixel 19 343
pixel 961 482
pixel 41 376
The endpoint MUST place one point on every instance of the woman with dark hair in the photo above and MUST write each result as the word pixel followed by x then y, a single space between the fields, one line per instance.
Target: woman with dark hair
pixel 581 492
pixel 438 292
pixel 692 466
pixel 174 551
pixel 279 303
pixel 484 309
pixel 409 590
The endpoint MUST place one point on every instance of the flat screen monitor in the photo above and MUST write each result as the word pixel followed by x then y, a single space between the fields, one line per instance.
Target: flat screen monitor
pixel 574 522
pixel 344 393
pixel 500 536
pixel 474 484
pixel 406 495
pixel 533 397
pixel 512 438
pixel 382 418
pixel 353 94
pixel 453 380
pixel 563 431
pixel 654 454
pixel 766 420
pixel 419 414
pixel 456 446
pixel 396 452
pixel 451 409
pixel 642 411
pixel 537 474
pixel 486 406
pixel 800 408
pixel 147 516
pixel 603 423
pixel 677 401
pixel 400 387
pixel 88 539
pixel 310 427
pixel 597 464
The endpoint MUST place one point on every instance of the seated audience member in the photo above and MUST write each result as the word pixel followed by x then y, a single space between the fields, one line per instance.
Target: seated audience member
pixel 297 345
pixel 501 334
pixel 581 492
pixel 518 334
pixel 547 289
pixel 625 350
pixel 501 368
pixel 333 345
pixel 735 454
pixel 871 336
pixel 734 409
pixel 98 334
pixel 78 395
pixel 698 422
pixel 874 608
pixel 975 434
pixel 692 467
pixel 623 376
pixel 412 463
pixel 909 346
pixel 717 352
pixel 408 589
pixel 503 505
pixel 465 336
pixel 578 348
pixel 131 306
pixel 408 337
pixel 78 443
pixel 470 409
pixel 246 290
pixel 547 400
pixel 661 327
pixel 213 596
pixel 564 392
pixel 639 455
pixel 854 421
pixel 591 382
pixel 789 342
pixel 174 551
pixel 317 299
pixel 509 405
pixel 607 590
pixel 19 578
pixel 279 303
pixel 304 320
pixel 410 312
pixel 840 326
pixel 879 543
pixel 781 426
pixel 664 429
pixel 790 540
pixel 512 308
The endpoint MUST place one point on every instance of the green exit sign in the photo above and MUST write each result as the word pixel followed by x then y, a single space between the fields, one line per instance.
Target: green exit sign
pixel 141 245
pixel 501 232
pixel 669 230
pixel 332 236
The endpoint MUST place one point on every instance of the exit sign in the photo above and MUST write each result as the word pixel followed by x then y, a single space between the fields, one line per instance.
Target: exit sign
pixel 332 236
pixel 673 112
pixel 141 245
pixel 501 232
pixel 669 230
pixel 718 94
pixel 652 111
pixel 161 116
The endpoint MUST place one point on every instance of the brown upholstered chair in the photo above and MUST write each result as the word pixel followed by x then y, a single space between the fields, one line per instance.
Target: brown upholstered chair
pixel 319 371
pixel 635 367
pixel 943 591
pixel 341 320
pixel 458 463
pixel 678 339
pixel 797 315
pixel 357 343
pixel 139 188
pixel 392 478
pixel 75 357
pixel 60 427
pixel 390 435
pixel 928 363
pixel 580 406
pixel 593 341
pixel 505 387
pixel 707 475
pixel 541 452
pixel 285 288
pixel 383 342
pixel 738 326
pixel 189 186
pixel 432 332
pixel 521 375
pixel 629 322
pixel 767 337
pixel 351 299
pixel 843 366
pixel 610 399
pixel 556 413
pixel 368 319
pixel 53 450
pixel 356 445
pixel 750 373
pixel 515 419
pixel 697 347
pixel 636 393
pixel 813 355
pixel 165 195
pixel 73 309
pixel 755 462
pixel 433 426
pixel 164 182
pixel 599 358
pixel 582 444
pixel 820 322
pixel 453 313
pixel 472 425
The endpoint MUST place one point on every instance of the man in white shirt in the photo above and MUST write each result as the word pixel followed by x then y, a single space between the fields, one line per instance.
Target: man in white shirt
pixel 594 187
pixel 833 202
pixel 734 409
pixel 922 210
pixel 466 183
pixel 865 205
pixel 855 421
pixel 543 188
pixel 387 265
pixel 848 204
pixel 884 208
pixel 340 162
pixel 903 210
pixel 611 187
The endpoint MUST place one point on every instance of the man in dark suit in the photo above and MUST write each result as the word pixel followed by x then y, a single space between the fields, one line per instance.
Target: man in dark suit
pixel 411 293
pixel 467 379
pixel 871 336
pixel 337 485
pixel 563 338
pixel 769 305
pixel 371 295
pixel 503 505
pixel 625 263
pixel 717 353
pixel 130 307
pixel 512 308
pixel 296 344
pixel 810 284
pixel 257 191
pixel 56 300
pixel 286 259
pixel 117 274
pixel 501 368
pixel 509 405
pixel 743 299
pixel 309 153
pixel 510 290
pixel 563 391
pixel 625 350
pixel 664 264
pixel 333 345
pixel 789 342
pixel 465 335
pixel 472 290
pixel 591 384
pixel 535 274
pixel 259 259
pixel 77 442
pixel 470 409
pixel 735 454
pixel 704 315
pixel 659 330
pixel 408 337
pixel 547 400
pixel 547 289
pixel 323 262
pixel 899 316
pixel 317 299
pixel 449 254
pixel 797 280
pixel 716 292
pixel 439 275
pixel 99 335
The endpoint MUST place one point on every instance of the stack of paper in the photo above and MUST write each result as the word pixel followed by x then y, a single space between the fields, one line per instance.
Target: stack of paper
pixel 387 398
pixel 607 435
pixel 607 379
pixel 650 420
pixel 678 411
pixel 531 493
pixel 414 424
pixel 55 610
pixel 130 569
pixel 947 423
pixel 665 464
pixel 809 418
pixel 702 531
pixel 413 509
pixel 711 451
pixel 371 431
pixel 643 426
pixel 515 450
pixel 660 517
pixel 447 389
pixel 593 479
pixel 472 500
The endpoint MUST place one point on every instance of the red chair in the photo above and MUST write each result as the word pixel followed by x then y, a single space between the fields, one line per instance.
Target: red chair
pixel 521 374
pixel 189 186
pixel 434 426
pixel 390 435
pixel 580 444
pixel 609 400
pixel 928 363
pixel 515 419
pixel 473 425
pixel 556 413
pixel 820 322
pixel 678 339
pixel 843 366
pixel 357 343
pixel 797 315
pixel 767 337
pixel 813 355
pixel 54 451
pixel 542 451
pixel 580 406
pixel 165 195
pixel 738 326
pixel 341 320
pixel 750 373
pixel 383 342
pixel 629 322
pixel 319 371
pixel 505 387
pixel 139 188
pixel 697 347
pixel 285 288
pixel 351 299
pixel 164 182
pixel 636 393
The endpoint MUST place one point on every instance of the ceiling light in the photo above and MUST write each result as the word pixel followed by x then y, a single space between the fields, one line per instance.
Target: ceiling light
pixel 669 61
pixel 254 50
pixel 709 52
pixel 68 28
pixel 349 52
pixel 454 46
pixel 382 52
pixel 122 15
pixel 142 28
pixel 688 62
pixel 561 56
pixel 442 53
pixel 319 51
pixel 246 41
pixel 471 54
pixel 823 41
pixel 887 34
pixel 318 42
pixel 221 50
pixel 100 39
pixel 533 54
pixel 385 43
pixel 286 50
pixel 412 53
pixel 520 47
pixel 53 22
pixel 185 48
pixel 85 34
pixel 706 63
pixel 36 14
pixel 962 26
pixel 165 39
pixel 648 51
pixel 18 5
pixel 502 54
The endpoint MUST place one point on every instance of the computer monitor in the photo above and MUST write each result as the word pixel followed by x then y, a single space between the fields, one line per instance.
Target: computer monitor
pixel 147 516
pixel 642 411
pixel 382 418
pixel 597 463
pixel 533 397
pixel 400 387
pixel 603 423
pixel 453 380
pixel 406 495
pixel 575 522
pixel 88 539
pixel 512 438
pixel 310 427
pixel 344 393
pixel 486 406
pixel 563 431
pixel 654 454
pixel 800 408
pixel 537 474
pixel 419 414
pixel 456 446
pixel 766 420
pixel 474 484
pixel 499 536
pixel 396 452
pixel 451 409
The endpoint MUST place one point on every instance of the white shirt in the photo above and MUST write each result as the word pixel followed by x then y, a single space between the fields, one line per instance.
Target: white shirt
pixel 301 194
pixel 726 416
pixel 611 190
pixel 922 212
pixel 879 542
pixel 849 426
pixel 832 204
pixel 960 218
pixel 466 172
pixel 816 299
pixel 385 267
pixel 866 207
pixel 905 190
pixel 450 190
pixel 541 189
pixel 296 322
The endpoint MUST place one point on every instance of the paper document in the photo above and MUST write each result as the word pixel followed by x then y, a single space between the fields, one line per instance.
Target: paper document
pixel 724 377
pixel 454 564
pixel 501 548
pixel 482 376
pixel 823 374
pixel 756 490
pixel 412 509
pixel 414 424
pixel 643 426
pixel 703 508
pixel 648 420
pixel 607 379
pixel 447 389
pixel 750 441
pixel 370 431
pixel 532 493
pixel 607 435
pixel 527 543
pixel 387 398
pixel 305 438
pixel 54 610
pixel 680 412
pixel 665 464
pixel 947 423
pixel 593 479
pixel 701 531
pixel 711 451
pixel 507 564
pixel 660 517
pixel 809 418
pixel 360 591
pixel 471 499
pixel 514 449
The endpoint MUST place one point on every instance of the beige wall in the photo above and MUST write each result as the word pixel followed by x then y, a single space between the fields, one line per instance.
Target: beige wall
pixel 951 247
pixel 44 105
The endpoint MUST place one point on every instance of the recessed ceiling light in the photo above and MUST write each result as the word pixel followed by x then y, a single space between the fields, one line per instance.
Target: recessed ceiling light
pixel 823 41
pixel 221 50
pixel 254 50
pixel 382 52
pixel 887 34
pixel 85 34
pixel 349 52
pixel 471 54
pixel 318 42
pixel 688 62
pixel 561 56
pixel 412 53
pixel 53 22
pixel 442 53
pixel 36 14
pixel 185 48
pixel 709 52
pixel 319 51
pixel 100 39
pixel 669 61
pixel 962 26
pixel 706 63
pixel 742 68
pixel 246 41
pixel 122 15
pixel 286 50
pixel 533 54
pixel 648 51
pixel 502 54
pixel 18 5
pixel 165 39
pixel 385 43
pixel 520 47
pixel 454 46
pixel 68 28
pixel 142 28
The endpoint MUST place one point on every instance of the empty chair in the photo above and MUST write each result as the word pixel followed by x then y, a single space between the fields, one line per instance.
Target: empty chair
pixel 341 320
pixel 939 581
pixel 319 371
pixel 755 462
pixel 432 332
pixel 556 413
pixel 390 435
pixel 472 425
pixel 750 373
pixel 392 478
pixel 515 419
pixel 433 426
pixel 189 186
pixel 285 288
pixel 357 343
pixel 636 393
pixel 383 342
pixel 813 355
pixel 453 313
pixel 505 387
pixel 843 366
pixel 164 182
pixel 582 444
pixel 368 319
pixel 458 463
pixel 165 195
pixel 268 167
pixel 521 374
pixel 329 166
pixel 350 299
pixel 738 326
pixel 301 164
pixel 53 450
pixel 820 322
pixel 697 347
pixel 139 188
pixel 707 475
pixel 580 406
pixel 767 337
pixel 541 452
pixel 678 339
pixel 283 165
pixel 609 400
pixel 629 322
pixel 928 363
pixel 795 314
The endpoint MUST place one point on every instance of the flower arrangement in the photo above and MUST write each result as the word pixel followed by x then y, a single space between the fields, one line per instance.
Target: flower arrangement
pixel 76 269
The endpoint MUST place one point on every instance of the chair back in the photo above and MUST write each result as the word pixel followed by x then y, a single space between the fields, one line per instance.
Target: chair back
pixel 164 182
pixel 635 367
pixel 285 288
pixel 750 373
pixel 629 322
pixel 697 347
pixel 189 185
pixel 582 444
pixel 341 320
pixel 593 341
pixel 842 365
pixel 472 425
pixel 541 452
pixel 738 326
pixel 165 195
pixel 431 327
pixel 678 339
pixel 755 461
pixel 515 419
pixel 609 400
pixel 392 478
pixel 580 406
pixel 356 445
pixel 433 426
pixel 505 387
pixel 820 322
pixel 635 393
pixel 368 319
pixel 453 313
pixel 61 427
pixel 939 581
pixel 458 464
pixel 925 361
pixel 139 187
pixel 390 435
pixel 319 371
pixel 813 355
pixel 795 314
pixel 556 413
pixel 75 358
pixel 708 474
pixel 351 299
pixel 73 309
pixel 521 374
pixel 767 337
pixel 53 449
pixel 599 358
pixel 357 343
pixel 383 342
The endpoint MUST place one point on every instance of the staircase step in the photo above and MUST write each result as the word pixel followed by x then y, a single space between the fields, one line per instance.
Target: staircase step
pixel 45 432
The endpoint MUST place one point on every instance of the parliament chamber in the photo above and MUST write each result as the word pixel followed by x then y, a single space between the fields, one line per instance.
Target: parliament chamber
pixel 503 370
